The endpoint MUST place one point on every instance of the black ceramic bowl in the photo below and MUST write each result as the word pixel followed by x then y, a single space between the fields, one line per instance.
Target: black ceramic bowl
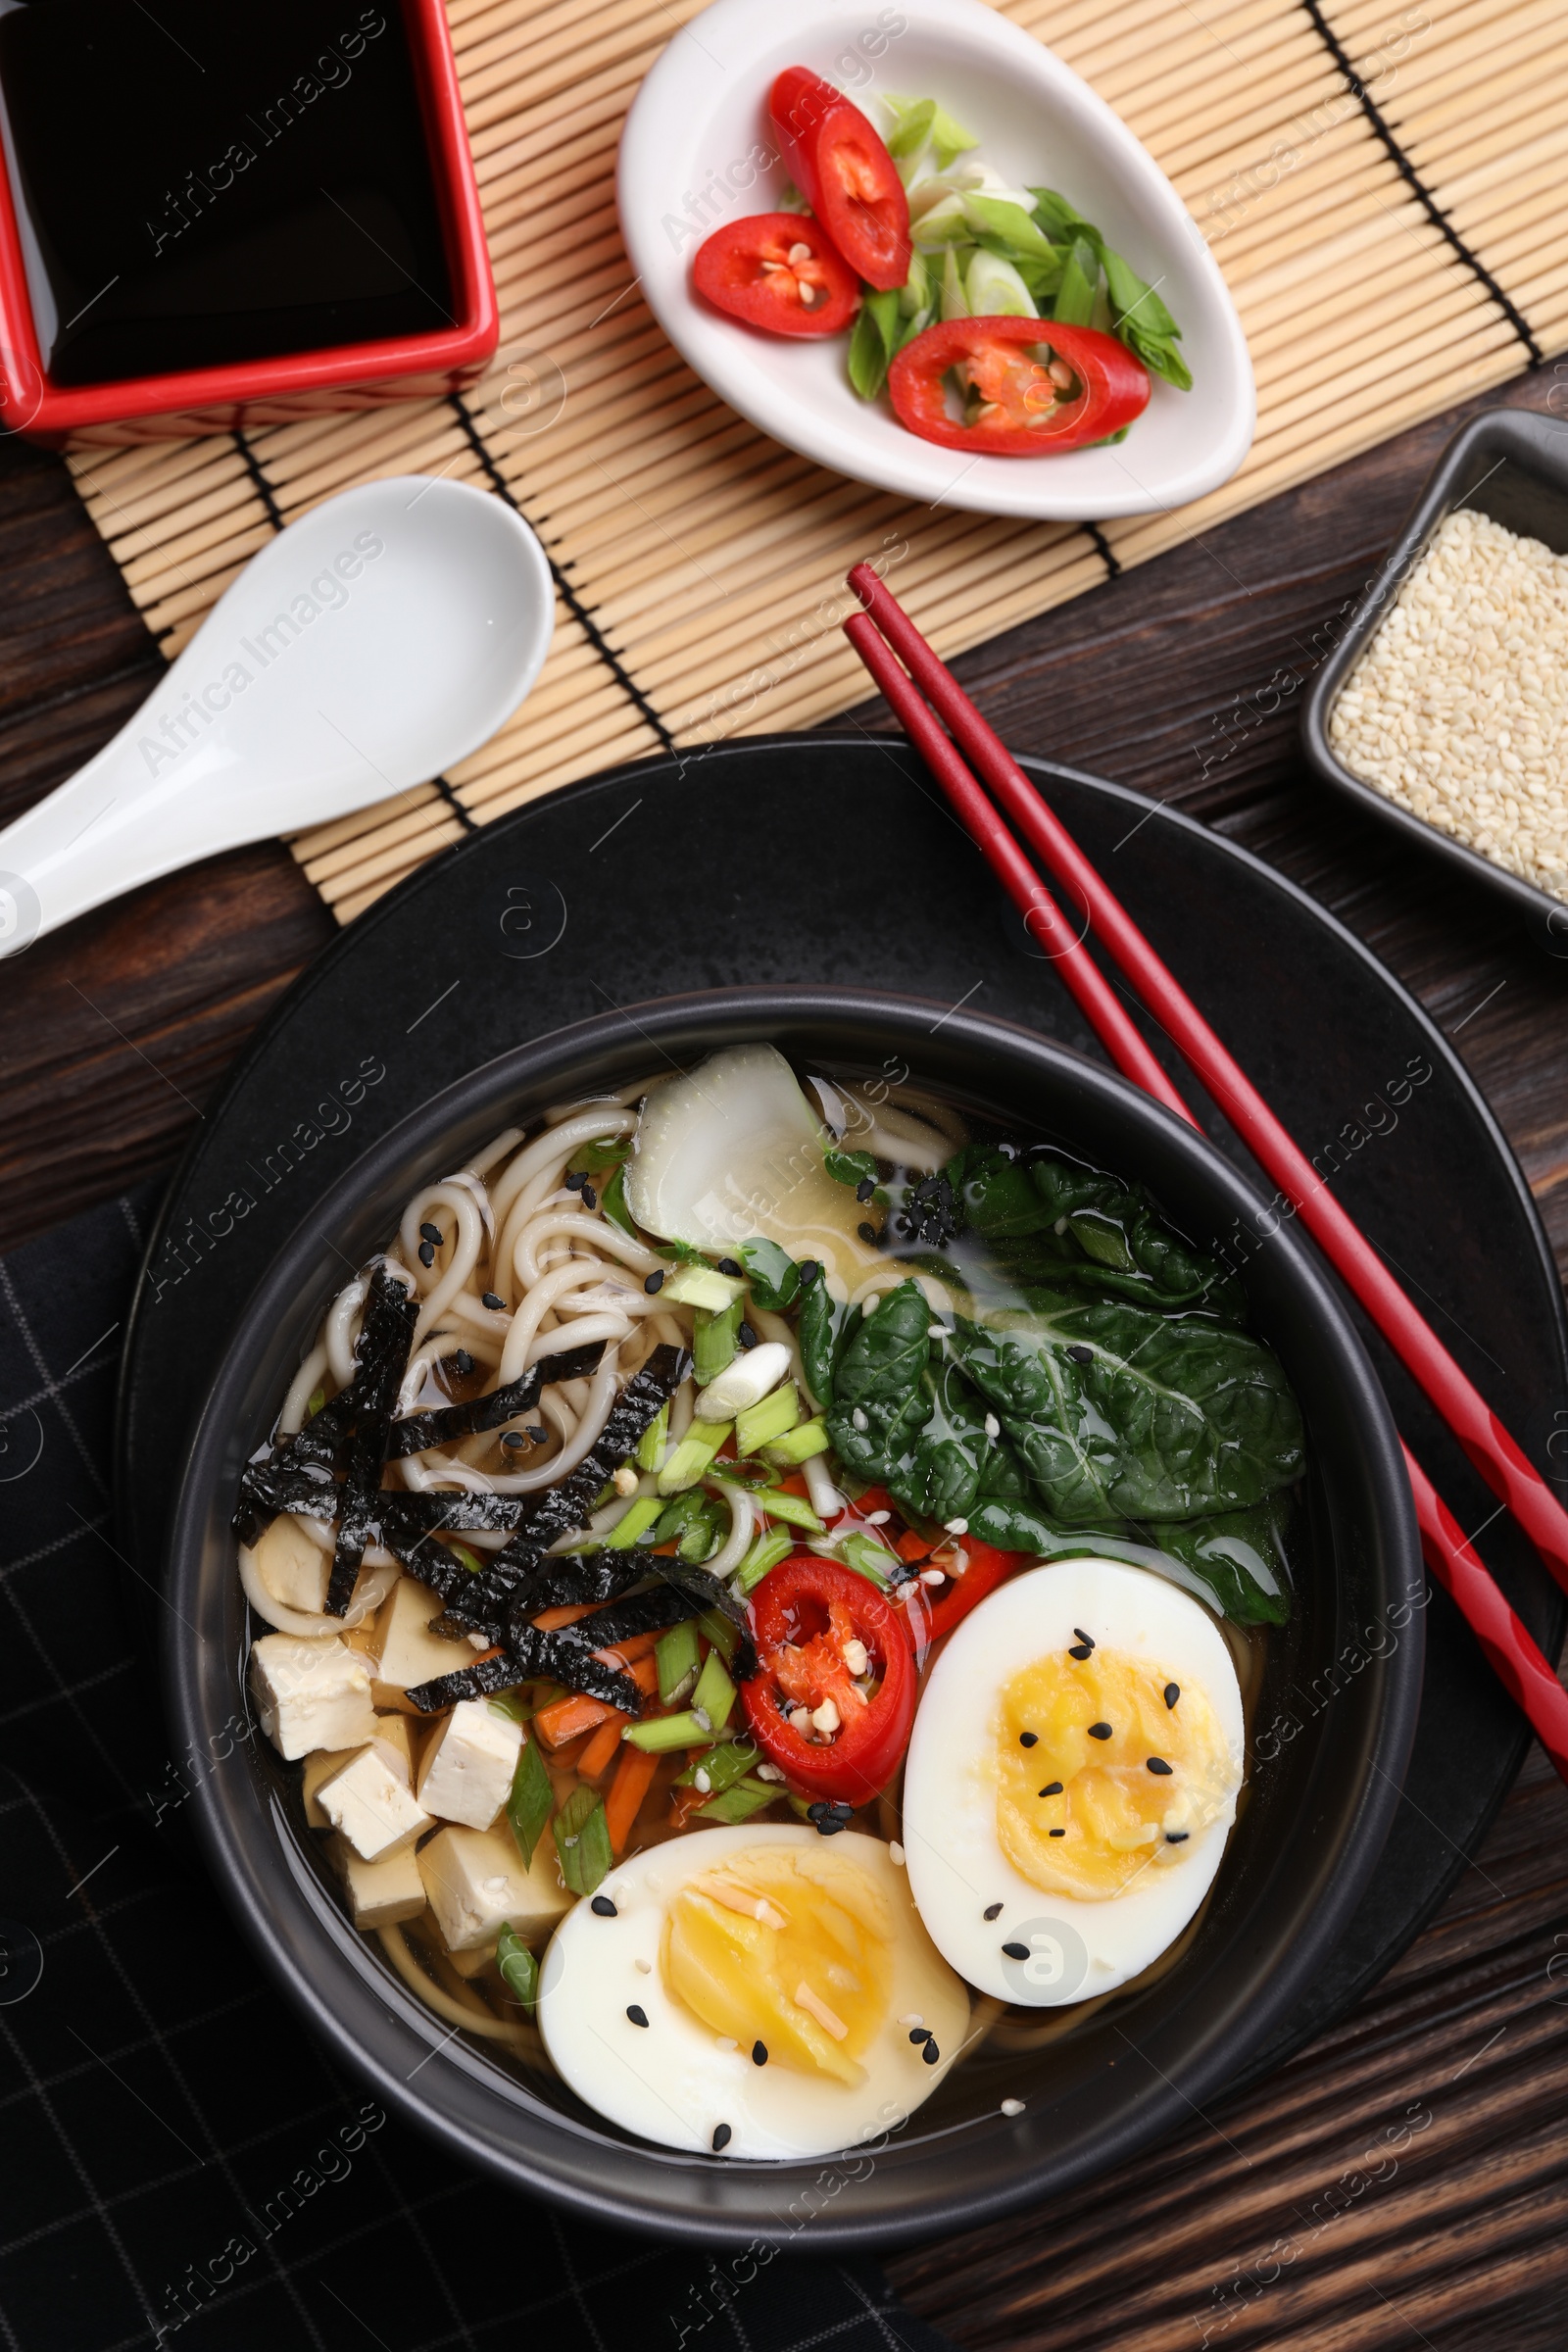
pixel 1331 1737
pixel 1512 467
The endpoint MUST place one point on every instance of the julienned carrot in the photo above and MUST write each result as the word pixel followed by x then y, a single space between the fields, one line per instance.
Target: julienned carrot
pixel 564 1718
pixel 633 1776
pixel 602 1749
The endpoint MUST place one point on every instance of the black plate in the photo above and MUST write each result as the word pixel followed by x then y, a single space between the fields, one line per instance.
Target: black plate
pixel 829 858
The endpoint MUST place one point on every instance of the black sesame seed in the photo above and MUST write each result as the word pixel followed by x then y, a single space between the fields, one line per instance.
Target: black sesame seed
pixel 427 1254
pixel 867 1233
pixel 1051 1789
pixel 538 1431
pixel 827 1820
pixel 575 1180
pixel 865 1190
pixel 1058 1832
pixel 653 1283
pixel 1081 1355
pixel 590 1199
pixel 493 1300
pixel 513 1438
pixel 1173 1691
pixel 430 1233
pixel 638 2016
pixel 1017 1951
pixel 721 2138
pixel 1088 1640
pixel 809 1270
pixel 732 1267
pixel 1159 1765
pixel 1100 1730
pixel 931 2054
pixel 992 1911
pixel 1081 1651
pixel 919 2034
pixel 758 2054
pixel 602 1908
pixel 747 1336
pixel 1028 1739
pixel 1176 1836
pixel 463 1362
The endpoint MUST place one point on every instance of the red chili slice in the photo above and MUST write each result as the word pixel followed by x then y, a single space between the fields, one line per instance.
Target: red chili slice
pixel 845 173
pixel 802 1614
pixel 777 271
pixel 986 1569
pixel 1010 375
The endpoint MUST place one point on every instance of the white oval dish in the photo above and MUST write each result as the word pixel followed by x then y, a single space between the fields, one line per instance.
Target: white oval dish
pixel 692 156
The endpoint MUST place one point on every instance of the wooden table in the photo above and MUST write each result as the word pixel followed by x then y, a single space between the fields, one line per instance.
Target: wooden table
pixel 1267 2223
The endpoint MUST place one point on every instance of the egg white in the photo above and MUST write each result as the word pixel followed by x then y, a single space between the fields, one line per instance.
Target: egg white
pixel 957 1867
pixel 671 2081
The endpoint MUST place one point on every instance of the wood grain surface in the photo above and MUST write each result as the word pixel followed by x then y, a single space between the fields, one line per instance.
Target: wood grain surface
pixel 1405 2179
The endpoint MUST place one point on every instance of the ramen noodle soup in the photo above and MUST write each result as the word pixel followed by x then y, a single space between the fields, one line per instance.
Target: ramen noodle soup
pixel 760 1586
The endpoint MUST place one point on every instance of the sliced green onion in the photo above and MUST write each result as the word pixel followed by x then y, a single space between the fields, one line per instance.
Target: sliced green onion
pixel 314 1402
pixel 793 1509
pixel 740 1803
pixel 520 1970
pixel 703 1532
pixel 582 1841
pixel 720 1632
pixel 694 1455
pixel 759 1424
pixel 714 1694
pixel 633 1523
pixel 799 1443
pixel 528 1808
pixel 650 1445
pixel 702 1285
pixel 868 1558
pixel 766 1553
pixel 677 1657
pixel 661 1733
pixel 724 1766
pixel 612 1200
pixel 716 1340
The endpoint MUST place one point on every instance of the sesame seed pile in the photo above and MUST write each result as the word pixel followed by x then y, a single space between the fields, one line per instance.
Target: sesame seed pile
pixel 1458 709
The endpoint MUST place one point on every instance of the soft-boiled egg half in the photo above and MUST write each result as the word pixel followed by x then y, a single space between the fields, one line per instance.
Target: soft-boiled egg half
pixel 1071 1781
pixel 758 1991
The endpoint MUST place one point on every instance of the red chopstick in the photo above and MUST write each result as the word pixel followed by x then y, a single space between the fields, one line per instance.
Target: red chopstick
pixel 1514 1656
pixel 1501 1461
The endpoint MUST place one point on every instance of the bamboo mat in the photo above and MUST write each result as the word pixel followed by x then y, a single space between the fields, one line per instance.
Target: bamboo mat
pixel 1380 186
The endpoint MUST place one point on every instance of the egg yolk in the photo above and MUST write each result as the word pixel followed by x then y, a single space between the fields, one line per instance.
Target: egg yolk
pixel 793 1949
pixel 1099 1774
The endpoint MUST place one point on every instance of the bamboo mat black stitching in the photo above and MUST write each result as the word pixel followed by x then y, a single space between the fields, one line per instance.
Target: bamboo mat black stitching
pixel 1412 179
pixel 568 594
pixel 449 794
pixel 263 487
pixel 1108 554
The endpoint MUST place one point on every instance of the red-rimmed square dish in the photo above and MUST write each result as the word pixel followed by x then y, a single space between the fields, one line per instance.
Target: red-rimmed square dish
pixel 275 216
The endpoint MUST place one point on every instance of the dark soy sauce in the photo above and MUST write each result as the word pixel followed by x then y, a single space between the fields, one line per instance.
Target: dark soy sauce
pixel 207 183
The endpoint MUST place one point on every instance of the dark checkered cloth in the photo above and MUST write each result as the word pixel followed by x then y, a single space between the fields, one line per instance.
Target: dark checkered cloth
pixel 179 2158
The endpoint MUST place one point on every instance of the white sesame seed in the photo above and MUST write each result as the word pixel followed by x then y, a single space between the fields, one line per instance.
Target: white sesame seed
pixel 895 1854
pixel 936 1331
pixel 644 1968
pixel 1013 2106
pixel 993 1426
pixel 932 1575
pixel 913 2019
pixel 1432 715
pixel 877 1518
pixel 957 1526
pixel 701 1780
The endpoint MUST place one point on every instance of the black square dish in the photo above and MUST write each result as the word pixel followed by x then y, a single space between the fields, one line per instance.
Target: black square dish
pixel 1514 467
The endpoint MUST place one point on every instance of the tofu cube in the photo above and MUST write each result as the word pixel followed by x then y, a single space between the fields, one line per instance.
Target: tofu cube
pixel 477 1885
pixel 380 1893
pixel 403 1650
pixel 470 1764
pixel 311 1693
pixel 394 1733
pixel 293 1569
pixel 369 1800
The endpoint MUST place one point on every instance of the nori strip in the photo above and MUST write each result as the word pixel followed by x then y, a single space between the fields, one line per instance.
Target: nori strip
pixel 486 1605
pixel 646 1612
pixel 270 1487
pixel 386 1331
pixel 430 1561
pixel 444 1425
pixel 382 1358
pixel 708 1593
pixel 577 1578
pixel 572 1664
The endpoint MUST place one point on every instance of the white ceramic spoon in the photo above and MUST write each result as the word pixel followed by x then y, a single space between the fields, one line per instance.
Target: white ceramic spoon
pixel 372 643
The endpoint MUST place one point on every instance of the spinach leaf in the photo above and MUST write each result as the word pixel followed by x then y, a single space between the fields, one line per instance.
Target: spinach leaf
pixel 770 1271
pixel 1241 1556
pixel 850 1168
pixel 996 1194
pixel 948 1463
pixel 879 1401
pixel 1170 1417
pixel 1056 1221
pixel 825 1329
